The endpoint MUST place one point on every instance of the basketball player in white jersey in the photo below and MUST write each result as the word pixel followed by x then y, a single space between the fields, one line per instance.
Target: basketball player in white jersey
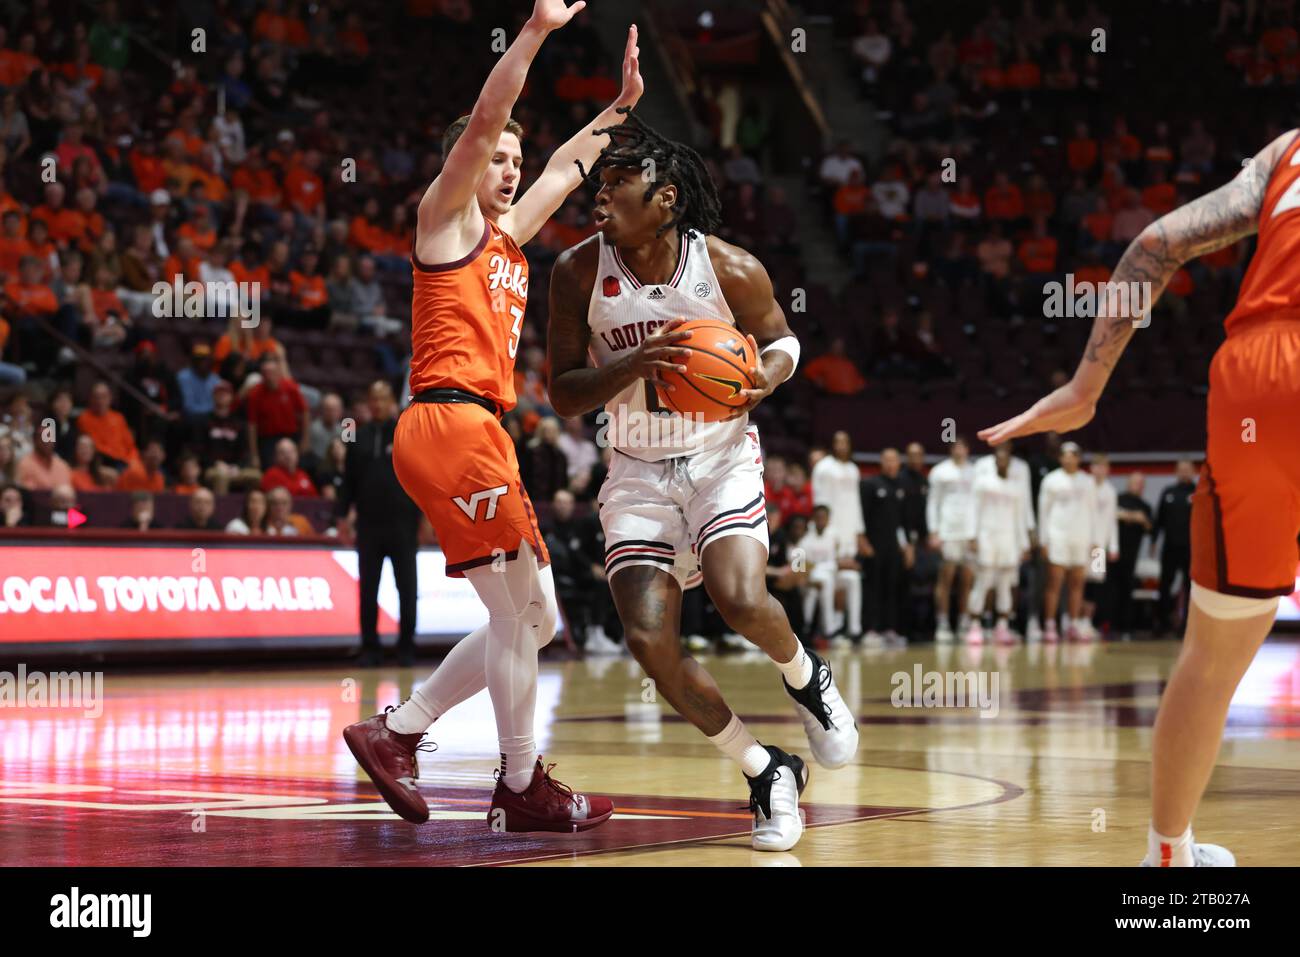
pixel 950 518
pixel 1001 542
pixel 1018 472
pixel 691 501
pixel 1105 541
pixel 1067 512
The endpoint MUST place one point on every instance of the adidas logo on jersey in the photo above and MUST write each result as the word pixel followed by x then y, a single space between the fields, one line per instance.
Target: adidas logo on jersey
pixel 656 294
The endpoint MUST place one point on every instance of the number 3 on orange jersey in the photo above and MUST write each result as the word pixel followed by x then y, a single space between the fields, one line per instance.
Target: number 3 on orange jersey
pixel 515 329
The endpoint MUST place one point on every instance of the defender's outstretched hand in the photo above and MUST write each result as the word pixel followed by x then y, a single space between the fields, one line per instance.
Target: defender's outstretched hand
pixel 1066 409
pixel 633 86
pixel 553 14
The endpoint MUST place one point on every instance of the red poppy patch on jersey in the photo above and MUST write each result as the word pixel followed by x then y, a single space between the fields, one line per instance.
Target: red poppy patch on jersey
pixel 610 287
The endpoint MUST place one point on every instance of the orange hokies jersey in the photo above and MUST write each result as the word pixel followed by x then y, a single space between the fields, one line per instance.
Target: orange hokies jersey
pixel 466 318
pixel 1272 283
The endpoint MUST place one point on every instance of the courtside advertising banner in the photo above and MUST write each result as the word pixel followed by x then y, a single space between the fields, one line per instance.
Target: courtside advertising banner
pixel 59 594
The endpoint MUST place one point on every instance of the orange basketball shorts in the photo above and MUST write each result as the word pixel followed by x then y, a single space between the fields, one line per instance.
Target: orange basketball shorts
pixel 458 464
pixel 1246 508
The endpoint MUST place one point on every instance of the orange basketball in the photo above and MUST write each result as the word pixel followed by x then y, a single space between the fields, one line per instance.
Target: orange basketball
pixel 716 371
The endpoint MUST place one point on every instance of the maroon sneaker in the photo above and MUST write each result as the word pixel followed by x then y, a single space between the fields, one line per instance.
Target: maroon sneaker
pixel 547 805
pixel 389 759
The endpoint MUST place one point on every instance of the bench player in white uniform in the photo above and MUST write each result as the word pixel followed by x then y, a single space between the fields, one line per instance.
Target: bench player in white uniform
pixel 832 569
pixel 1018 472
pixel 670 508
pixel 1105 541
pixel 950 517
pixel 1001 542
pixel 1067 511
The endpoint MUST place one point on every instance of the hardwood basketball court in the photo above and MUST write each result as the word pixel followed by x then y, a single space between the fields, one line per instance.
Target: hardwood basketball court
pixel 247 767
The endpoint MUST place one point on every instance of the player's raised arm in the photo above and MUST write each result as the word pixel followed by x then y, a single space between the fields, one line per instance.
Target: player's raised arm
pixel 453 189
pixel 576 388
pixel 1211 222
pixel 562 174
pixel 748 290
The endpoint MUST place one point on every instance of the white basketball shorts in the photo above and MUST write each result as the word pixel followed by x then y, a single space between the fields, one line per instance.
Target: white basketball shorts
pixel 666 513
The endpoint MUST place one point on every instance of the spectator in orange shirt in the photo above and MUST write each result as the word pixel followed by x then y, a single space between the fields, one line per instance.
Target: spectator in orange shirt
pixel 17 65
pixel 27 293
pixel 147 165
pixel 1161 196
pixel 199 229
pixel 1097 226
pixel 90 224
pixel 107 428
pixel 365 231
pixel 256 179
pixel 184 262
pixel 1082 150
pixel 834 372
pixel 13 244
pixel 303 188
pixel 41 469
pixel 1002 200
pixel 71 148
pixel 145 474
pixel 64 224
pixel 276 27
pixel 1122 146
pixel 1038 251
pixel 188 473
pixel 89 471
pixel 308 294
pixel 851 200
pixel 108 320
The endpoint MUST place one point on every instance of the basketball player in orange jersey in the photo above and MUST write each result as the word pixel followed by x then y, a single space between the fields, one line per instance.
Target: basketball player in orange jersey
pixel 456 461
pixel 687 499
pixel 1246 508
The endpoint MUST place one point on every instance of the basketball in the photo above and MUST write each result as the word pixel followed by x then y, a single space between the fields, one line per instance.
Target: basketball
pixel 716 372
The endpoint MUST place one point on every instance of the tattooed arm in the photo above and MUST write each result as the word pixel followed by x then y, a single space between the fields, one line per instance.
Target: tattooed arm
pixel 1211 222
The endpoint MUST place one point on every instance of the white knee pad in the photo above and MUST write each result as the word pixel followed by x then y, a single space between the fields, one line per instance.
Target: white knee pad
pixel 1231 607
pixel 520 593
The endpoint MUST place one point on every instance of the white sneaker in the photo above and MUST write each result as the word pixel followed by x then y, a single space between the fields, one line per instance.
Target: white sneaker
pixel 1086 630
pixel 841 641
pixel 774 802
pixel 873 639
pixel 975 633
pixel 1033 631
pixel 698 643
pixel 599 643
pixel 1207 855
pixel 943 634
pixel 735 642
pixel 832 732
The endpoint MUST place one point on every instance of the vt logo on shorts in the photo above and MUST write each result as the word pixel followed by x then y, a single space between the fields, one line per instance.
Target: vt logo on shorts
pixel 490 495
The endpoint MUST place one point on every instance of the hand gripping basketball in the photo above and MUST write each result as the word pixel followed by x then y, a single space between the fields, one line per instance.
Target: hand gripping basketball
pixel 658 354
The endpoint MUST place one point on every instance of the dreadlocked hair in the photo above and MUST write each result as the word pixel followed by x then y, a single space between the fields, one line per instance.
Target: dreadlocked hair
pixel 632 143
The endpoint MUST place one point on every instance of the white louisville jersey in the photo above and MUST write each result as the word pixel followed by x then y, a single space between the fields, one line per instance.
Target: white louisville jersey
pixel 1067 508
pixel 950 508
pixel 1001 532
pixel 1018 472
pixel 621 313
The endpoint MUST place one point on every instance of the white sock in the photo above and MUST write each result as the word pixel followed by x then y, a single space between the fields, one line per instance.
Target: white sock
pixel 1165 851
pixel 518 758
pixel 737 743
pixel 460 676
pixel 798 670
